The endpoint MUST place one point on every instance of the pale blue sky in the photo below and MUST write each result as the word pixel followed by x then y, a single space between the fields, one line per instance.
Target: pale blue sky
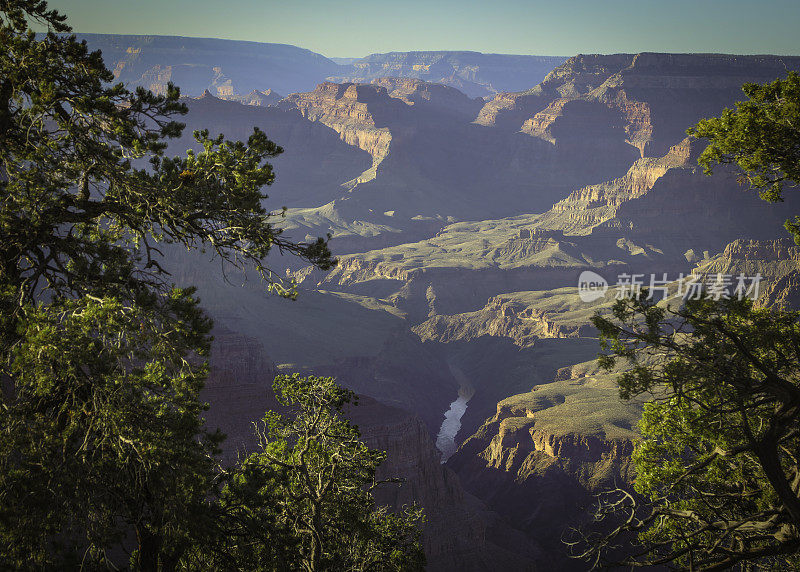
pixel 555 27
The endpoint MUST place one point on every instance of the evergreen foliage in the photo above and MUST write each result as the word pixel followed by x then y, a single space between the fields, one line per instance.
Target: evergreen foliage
pixel 761 136
pixel 104 459
pixel 717 467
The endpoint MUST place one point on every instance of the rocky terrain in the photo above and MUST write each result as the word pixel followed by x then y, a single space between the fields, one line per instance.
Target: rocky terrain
pixel 474 73
pixel 225 67
pixel 646 99
pixel 263 98
pixel 460 531
pixel 229 68
pixel 539 459
pixel 462 226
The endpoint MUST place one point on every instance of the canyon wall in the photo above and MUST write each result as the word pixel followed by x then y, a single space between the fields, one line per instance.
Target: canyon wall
pixel 474 73
pixel 542 456
pixel 460 532
pixel 462 227
pixel 224 67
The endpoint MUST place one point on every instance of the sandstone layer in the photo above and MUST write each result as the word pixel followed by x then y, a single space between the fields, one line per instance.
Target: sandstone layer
pixel 540 458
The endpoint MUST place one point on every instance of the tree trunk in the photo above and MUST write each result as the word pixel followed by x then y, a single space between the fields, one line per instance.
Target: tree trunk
pixel 149 548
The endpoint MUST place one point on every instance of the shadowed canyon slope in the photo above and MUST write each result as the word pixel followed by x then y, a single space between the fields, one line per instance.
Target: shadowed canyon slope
pixel 460 532
pixel 462 226
pixel 544 453
pixel 437 156
pixel 650 97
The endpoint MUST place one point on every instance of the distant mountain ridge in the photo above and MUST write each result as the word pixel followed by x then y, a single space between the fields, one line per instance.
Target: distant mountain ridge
pixel 475 73
pixel 236 68
pixel 462 226
pixel 224 67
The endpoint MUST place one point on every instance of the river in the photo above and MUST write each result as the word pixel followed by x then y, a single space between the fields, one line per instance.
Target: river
pixel 446 439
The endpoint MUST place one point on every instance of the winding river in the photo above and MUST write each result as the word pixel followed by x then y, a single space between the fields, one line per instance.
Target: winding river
pixel 446 439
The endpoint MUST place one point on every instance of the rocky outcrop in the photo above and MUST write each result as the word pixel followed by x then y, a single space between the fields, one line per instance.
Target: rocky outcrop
pixel 422 293
pixel 520 317
pixel 576 76
pixel 314 162
pixel 540 458
pixel 783 292
pixel 476 74
pixel 661 94
pixel 666 205
pixel 517 437
pixel 358 113
pixel 586 208
pixel 432 97
pixel 648 100
pixel 262 98
pixel 776 261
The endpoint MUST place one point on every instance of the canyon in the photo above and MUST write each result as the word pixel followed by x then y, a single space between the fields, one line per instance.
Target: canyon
pixel 464 194
pixel 231 67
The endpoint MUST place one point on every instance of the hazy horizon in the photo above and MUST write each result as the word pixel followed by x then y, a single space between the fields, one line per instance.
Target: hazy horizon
pixel 350 57
pixel 357 29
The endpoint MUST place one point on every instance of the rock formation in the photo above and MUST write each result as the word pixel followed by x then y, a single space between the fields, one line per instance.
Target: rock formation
pixel 346 109
pixel 430 96
pixel 474 73
pixel 462 227
pixel 263 98
pixel 646 100
pixel 314 162
pixel 540 458
pixel 776 261
pixel 460 533
pixel 225 67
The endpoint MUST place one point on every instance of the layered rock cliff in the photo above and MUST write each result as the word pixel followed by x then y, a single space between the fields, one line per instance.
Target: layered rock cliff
pixel 522 317
pixel 225 67
pixel 578 75
pixel 648 100
pixel 540 458
pixel 342 105
pixel 313 165
pixel 777 262
pixel 358 113
pixel 474 73
pixel 433 97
